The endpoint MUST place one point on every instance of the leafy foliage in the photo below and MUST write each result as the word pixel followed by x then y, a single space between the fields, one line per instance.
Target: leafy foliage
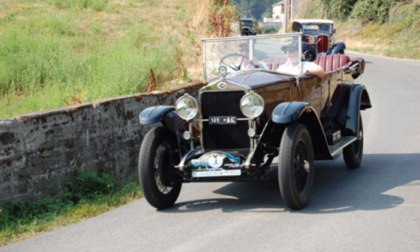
pixel 266 30
pixel 88 195
pixel 87 185
pixel 339 8
pixel 256 9
pixel 373 10
pixel 221 14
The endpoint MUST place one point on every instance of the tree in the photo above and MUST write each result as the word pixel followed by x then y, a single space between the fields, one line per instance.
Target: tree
pixel 256 9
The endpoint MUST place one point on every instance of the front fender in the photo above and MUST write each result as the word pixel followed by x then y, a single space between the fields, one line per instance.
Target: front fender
pixel 288 112
pixel 339 46
pixel 168 117
pixel 302 112
pixel 154 114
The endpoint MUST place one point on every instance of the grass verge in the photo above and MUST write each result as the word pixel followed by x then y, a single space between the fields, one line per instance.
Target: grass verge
pixel 397 37
pixel 56 53
pixel 90 195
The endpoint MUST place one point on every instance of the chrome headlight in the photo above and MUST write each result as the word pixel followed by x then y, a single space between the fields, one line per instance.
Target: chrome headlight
pixel 186 107
pixel 312 40
pixel 252 105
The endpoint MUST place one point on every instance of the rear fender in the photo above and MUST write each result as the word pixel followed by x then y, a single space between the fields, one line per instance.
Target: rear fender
pixel 358 100
pixel 340 46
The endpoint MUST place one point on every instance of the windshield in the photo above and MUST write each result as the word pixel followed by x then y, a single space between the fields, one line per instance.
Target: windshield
pixel 276 52
pixel 247 23
pixel 317 28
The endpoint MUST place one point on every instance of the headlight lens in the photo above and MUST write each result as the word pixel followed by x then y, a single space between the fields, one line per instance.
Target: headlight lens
pixel 312 40
pixel 186 107
pixel 252 105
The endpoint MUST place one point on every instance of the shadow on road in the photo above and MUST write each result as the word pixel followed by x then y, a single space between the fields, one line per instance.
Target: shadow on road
pixel 336 188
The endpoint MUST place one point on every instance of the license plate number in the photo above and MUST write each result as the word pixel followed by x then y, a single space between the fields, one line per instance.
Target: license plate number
pixel 222 120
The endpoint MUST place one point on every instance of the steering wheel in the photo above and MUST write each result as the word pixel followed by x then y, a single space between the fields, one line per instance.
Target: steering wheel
pixel 233 66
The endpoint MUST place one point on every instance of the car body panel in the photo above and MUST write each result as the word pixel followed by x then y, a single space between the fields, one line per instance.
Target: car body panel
pixel 322 105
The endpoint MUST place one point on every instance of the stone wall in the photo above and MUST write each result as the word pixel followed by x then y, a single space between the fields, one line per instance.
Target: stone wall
pixel 38 151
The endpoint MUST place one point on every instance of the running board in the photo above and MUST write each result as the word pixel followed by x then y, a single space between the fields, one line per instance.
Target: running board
pixel 337 148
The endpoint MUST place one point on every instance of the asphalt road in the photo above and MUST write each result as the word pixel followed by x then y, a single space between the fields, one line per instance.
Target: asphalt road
pixel 373 208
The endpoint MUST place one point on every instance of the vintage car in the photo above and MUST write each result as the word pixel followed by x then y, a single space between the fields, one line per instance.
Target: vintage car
pixel 256 122
pixel 247 27
pixel 318 36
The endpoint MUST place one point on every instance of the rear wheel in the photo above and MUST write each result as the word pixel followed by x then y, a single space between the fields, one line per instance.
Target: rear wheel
pixel 157 159
pixel 296 166
pixel 353 153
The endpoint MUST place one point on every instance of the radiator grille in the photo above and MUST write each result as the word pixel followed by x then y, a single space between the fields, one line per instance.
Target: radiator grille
pixel 224 136
pixel 322 44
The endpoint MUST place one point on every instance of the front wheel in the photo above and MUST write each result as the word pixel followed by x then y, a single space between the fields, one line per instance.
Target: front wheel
pixel 353 153
pixel 296 166
pixel 157 158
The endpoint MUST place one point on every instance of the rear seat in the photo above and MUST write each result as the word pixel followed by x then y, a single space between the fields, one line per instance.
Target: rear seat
pixel 274 63
pixel 331 63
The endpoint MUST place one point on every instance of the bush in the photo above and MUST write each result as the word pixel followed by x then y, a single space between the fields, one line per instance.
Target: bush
pixel 340 9
pixel 373 10
pixel 87 185
pixel 266 30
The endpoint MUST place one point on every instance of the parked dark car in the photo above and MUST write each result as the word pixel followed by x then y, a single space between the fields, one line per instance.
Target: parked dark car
pixel 246 119
pixel 318 35
pixel 247 27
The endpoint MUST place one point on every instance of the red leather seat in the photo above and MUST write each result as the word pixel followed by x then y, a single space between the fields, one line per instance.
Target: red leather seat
pixel 274 63
pixel 331 63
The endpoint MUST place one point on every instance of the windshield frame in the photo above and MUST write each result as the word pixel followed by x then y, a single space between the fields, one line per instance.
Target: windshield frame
pixel 319 30
pixel 252 41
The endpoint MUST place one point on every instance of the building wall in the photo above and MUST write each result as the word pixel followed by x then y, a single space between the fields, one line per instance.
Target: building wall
pixel 38 151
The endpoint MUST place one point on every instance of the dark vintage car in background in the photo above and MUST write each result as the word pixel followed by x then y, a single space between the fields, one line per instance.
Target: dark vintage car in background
pixel 247 27
pixel 318 35
pixel 246 119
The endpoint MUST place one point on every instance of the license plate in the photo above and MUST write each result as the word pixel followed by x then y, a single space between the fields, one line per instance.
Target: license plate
pixel 222 120
pixel 216 173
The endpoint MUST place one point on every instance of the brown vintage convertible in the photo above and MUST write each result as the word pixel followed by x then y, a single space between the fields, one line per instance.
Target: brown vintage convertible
pixel 250 113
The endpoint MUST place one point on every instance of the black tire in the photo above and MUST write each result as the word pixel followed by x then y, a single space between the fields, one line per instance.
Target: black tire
pixel 157 158
pixel 296 166
pixel 353 153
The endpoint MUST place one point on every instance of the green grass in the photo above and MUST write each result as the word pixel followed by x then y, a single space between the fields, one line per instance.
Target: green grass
pixel 60 52
pixel 90 195
pixel 55 53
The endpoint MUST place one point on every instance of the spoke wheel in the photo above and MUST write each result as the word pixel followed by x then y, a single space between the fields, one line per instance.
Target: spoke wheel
pixel 157 158
pixel 296 166
pixel 353 153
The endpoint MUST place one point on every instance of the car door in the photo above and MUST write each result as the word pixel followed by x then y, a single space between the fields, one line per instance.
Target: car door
pixel 313 91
